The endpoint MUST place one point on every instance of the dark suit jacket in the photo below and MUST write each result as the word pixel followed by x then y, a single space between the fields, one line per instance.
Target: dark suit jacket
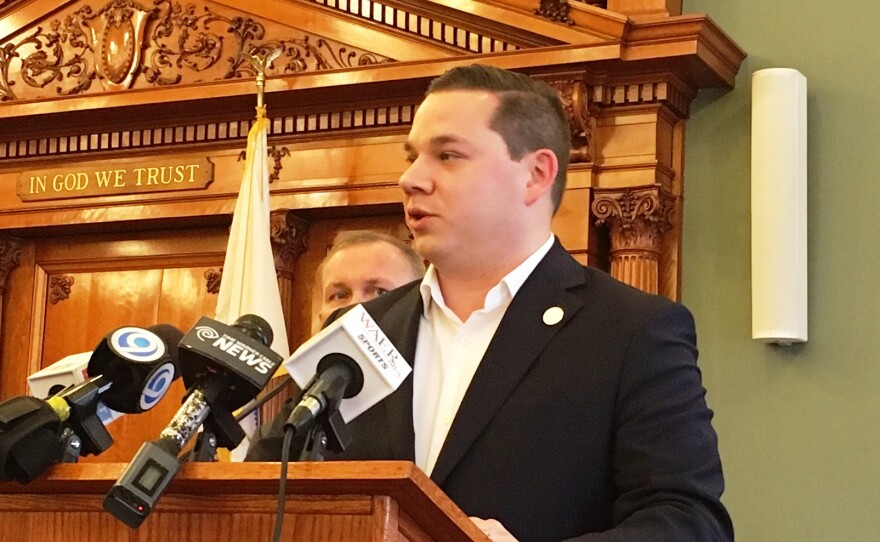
pixel 597 424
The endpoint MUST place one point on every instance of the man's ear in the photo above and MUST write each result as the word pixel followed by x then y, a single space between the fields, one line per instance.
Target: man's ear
pixel 543 167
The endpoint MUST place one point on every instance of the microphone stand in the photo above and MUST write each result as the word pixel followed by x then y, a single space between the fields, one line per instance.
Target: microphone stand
pixel 328 433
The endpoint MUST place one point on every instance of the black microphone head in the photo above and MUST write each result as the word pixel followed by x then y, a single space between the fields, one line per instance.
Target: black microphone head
pixel 354 375
pixel 171 335
pixel 237 354
pixel 139 363
pixel 256 328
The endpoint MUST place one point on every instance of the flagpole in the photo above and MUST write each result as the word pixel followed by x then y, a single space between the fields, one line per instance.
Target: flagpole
pixel 260 58
pixel 249 284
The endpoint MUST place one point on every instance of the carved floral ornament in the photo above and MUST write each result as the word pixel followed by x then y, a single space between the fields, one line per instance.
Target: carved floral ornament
pixel 557 10
pixel 59 287
pixel 125 43
pixel 636 218
pixel 289 234
pixel 10 257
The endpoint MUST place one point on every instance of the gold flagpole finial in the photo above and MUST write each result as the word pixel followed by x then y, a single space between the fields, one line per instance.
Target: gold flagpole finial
pixel 260 58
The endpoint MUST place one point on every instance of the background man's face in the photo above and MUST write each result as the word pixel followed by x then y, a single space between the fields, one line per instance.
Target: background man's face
pixel 360 273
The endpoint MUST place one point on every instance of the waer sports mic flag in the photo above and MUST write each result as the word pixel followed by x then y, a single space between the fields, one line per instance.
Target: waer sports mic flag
pixel 356 335
pixel 249 284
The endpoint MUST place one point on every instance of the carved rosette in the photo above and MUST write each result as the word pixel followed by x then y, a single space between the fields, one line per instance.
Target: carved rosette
pixel 10 257
pixel 289 235
pixel 573 95
pixel 637 219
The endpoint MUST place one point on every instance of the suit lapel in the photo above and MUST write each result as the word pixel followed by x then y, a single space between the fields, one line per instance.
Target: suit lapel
pixel 520 338
pixel 401 324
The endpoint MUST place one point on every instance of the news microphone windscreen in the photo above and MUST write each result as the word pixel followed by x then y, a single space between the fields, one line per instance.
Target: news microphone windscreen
pixel 354 376
pixel 233 353
pixel 171 335
pixel 140 363
pixel 256 328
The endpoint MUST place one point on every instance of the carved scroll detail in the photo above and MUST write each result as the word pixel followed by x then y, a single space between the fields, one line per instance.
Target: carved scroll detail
pixel 276 154
pixel 637 219
pixel 212 280
pixel 289 234
pixel 123 43
pixel 59 288
pixel 10 257
pixel 573 94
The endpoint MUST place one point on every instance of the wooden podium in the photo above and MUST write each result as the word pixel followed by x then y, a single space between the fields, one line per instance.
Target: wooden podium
pixel 376 501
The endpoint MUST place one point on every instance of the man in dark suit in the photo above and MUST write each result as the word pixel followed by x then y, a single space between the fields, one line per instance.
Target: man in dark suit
pixel 547 398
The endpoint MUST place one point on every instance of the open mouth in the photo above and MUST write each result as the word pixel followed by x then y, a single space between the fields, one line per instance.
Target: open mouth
pixel 417 214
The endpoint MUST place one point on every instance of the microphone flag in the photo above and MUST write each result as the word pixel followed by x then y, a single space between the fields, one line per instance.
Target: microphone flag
pixel 249 284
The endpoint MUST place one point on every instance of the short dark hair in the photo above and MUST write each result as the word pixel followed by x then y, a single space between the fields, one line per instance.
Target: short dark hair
pixel 347 239
pixel 529 116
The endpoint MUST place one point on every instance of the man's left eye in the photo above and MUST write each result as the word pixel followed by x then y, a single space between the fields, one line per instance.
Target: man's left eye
pixel 445 156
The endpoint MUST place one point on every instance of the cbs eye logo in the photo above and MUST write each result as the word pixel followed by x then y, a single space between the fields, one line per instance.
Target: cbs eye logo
pixel 137 344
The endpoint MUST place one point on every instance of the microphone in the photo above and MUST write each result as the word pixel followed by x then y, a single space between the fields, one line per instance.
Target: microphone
pixel 339 377
pixel 36 433
pixel 356 336
pixel 223 368
pixel 141 363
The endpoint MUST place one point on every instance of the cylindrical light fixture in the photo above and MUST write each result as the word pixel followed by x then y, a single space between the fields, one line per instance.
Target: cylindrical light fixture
pixel 779 206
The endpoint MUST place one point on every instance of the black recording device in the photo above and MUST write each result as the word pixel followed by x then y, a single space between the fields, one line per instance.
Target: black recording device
pixel 223 368
pixel 130 370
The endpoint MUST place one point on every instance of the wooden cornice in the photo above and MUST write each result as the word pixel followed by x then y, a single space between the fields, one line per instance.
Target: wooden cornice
pixel 691 45
pixel 592 25
pixel 356 31
pixel 714 57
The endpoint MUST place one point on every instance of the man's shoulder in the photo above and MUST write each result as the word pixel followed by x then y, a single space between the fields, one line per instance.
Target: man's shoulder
pixel 400 294
pixel 594 283
pixel 619 303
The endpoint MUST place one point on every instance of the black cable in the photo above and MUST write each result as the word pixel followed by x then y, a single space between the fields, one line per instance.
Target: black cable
pixel 282 484
pixel 262 400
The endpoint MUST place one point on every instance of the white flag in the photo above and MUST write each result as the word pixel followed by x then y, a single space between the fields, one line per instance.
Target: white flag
pixel 249 284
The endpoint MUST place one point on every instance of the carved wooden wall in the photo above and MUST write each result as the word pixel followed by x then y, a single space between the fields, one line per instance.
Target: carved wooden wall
pixel 123 96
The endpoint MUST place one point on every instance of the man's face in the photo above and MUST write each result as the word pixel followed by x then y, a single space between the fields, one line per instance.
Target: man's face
pixel 360 273
pixel 463 194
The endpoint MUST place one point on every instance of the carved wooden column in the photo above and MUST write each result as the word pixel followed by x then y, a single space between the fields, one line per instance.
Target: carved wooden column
pixel 289 236
pixel 637 220
pixel 10 256
pixel 637 157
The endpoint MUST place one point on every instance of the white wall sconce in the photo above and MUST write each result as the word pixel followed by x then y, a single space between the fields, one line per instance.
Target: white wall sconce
pixel 779 206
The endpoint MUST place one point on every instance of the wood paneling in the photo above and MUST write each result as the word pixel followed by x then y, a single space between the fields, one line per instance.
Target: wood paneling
pixel 627 71
pixel 327 502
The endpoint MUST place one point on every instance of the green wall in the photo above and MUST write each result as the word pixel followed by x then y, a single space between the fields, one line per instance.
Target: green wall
pixel 799 427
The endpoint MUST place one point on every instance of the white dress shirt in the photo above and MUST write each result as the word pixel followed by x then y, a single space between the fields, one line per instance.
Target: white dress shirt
pixel 449 351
